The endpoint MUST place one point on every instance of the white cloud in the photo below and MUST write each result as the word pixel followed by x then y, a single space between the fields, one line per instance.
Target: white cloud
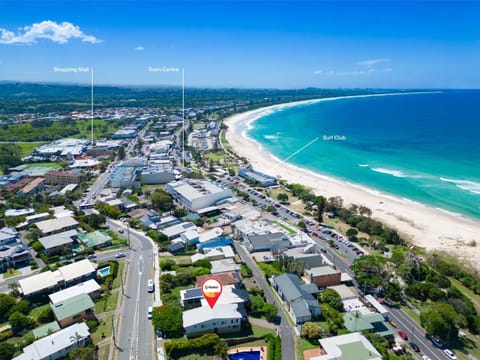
pixel 139 48
pixel 59 33
pixel 350 73
pixel 372 62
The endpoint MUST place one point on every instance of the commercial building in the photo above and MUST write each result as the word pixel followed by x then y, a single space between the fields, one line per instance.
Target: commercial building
pixel 323 276
pixel 353 346
pixel 197 194
pixel 159 173
pixel 274 242
pixel 63 177
pixel 125 134
pixel 32 187
pixel 259 178
pixel 57 345
pixel 63 147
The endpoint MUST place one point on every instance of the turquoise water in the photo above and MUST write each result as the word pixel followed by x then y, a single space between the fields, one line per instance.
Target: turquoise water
pixel 104 271
pixel 421 147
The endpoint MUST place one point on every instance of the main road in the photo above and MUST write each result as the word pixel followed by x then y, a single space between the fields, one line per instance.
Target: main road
pixel 286 331
pixel 134 336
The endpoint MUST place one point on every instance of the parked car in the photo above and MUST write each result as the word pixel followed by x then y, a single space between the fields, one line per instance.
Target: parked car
pixel 414 346
pixel 425 357
pixel 92 256
pixel 120 255
pixel 450 354
pixel 436 341
pixel 149 312
pixel 403 335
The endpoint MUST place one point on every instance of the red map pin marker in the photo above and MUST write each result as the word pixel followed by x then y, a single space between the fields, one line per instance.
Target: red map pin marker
pixel 211 289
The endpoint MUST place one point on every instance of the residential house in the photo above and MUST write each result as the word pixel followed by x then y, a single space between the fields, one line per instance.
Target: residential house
pixel 14 256
pixel 96 239
pixel 226 278
pixel 74 309
pixel 222 318
pixel 224 265
pixel 52 244
pixel 299 298
pixel 89 287
pixel 53 226
pixel 57 345
pixel 352 346
pixel 372 322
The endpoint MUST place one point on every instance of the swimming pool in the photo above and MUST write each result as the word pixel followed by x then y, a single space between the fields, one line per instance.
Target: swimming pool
pixel 104 271
pixel 245 355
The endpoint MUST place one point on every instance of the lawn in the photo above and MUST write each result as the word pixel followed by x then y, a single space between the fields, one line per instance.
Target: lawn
pixel 28 147
pixel 117 282
pixel 35 312
pixel 53 165
pixel 214 156
pixel 107 303
pixel 285 227
pixel 303 344
pixel 11 273
pixel 104 328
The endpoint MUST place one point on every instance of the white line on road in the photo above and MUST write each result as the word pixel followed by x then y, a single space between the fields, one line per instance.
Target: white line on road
pixel 136 318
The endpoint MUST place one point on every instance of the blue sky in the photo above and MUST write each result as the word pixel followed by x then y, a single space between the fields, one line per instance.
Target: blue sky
pixel 378 44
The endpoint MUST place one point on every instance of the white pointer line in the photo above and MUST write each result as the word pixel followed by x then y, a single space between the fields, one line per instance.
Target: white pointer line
pixel 296 152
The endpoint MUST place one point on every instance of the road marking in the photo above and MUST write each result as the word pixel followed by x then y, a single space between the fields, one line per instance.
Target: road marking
pixel 136 318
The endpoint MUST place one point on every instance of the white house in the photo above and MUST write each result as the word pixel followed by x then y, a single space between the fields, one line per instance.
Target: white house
pixel 223 318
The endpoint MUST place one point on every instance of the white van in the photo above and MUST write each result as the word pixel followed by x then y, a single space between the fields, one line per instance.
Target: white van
pixel 149 312
pixel 150 285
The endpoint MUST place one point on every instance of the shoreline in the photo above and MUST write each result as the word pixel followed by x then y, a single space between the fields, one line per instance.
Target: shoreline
pixel 425 226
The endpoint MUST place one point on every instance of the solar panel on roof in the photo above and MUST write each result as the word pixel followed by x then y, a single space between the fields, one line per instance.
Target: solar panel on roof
pixel 193 293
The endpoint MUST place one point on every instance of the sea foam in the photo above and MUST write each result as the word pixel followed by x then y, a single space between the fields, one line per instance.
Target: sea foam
pixel 467 185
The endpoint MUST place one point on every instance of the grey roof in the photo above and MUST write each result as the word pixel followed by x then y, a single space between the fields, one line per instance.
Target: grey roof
pixel 322 271
pixel 266 241
pixel 289 285
pixel 300 308
pixel 52 241
pixel 310 288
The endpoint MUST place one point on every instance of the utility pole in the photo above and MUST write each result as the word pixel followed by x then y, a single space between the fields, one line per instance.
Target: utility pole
pixel 113 333
pixel 128 235
pixel 91 98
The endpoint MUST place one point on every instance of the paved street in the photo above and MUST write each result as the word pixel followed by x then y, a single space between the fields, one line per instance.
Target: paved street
pixel 286 331
pixel 135 332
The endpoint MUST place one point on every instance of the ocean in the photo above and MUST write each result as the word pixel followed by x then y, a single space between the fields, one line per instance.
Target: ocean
pixel 422 147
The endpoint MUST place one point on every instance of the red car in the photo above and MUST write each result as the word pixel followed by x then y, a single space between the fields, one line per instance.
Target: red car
pixel 403 335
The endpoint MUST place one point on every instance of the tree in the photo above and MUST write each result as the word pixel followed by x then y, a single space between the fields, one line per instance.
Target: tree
pixel 168 319
pixel 161 200
pixel 320 202
pixel 282 197
pixel 46 316
pixel 95 220
pixel 441 319
pixel 6 303
pixel 121 153
pixel 19 322
pixel 312 331
pixel 271 209
pixel 23 306
pixel 352 233
pixel 6 351
pixel 270 311
pixel 302 225
pixel 331 298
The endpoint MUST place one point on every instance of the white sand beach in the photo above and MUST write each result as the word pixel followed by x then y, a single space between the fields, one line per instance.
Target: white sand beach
pixel 425 226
